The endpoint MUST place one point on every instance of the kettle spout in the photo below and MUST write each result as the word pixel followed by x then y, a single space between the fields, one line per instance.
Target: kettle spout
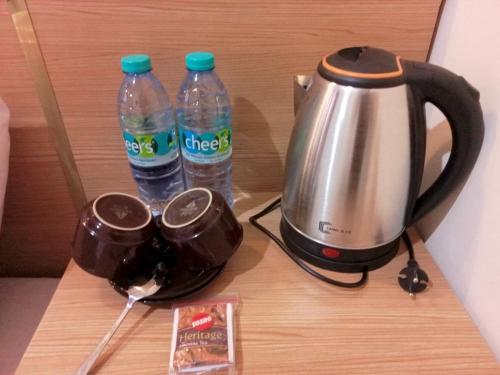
pixel 301 86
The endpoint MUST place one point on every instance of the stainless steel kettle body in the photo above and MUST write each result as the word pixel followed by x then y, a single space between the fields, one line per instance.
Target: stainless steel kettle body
pixel 348 165
pixel 356 156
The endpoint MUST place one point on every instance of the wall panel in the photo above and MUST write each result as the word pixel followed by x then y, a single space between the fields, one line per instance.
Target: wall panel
pixel 259 47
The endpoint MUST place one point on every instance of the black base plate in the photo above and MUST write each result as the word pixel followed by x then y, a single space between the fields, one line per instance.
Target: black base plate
pixel 337 259
pixel 179 283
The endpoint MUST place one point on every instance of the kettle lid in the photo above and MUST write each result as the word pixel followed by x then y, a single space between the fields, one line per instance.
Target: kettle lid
pixel 365 67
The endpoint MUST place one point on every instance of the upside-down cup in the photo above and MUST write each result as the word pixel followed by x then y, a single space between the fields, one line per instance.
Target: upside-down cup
pixel 113 236
pixel 201 228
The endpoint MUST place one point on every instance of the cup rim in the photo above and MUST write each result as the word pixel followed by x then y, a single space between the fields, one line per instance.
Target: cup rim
pixel 94 211
pixel 173 226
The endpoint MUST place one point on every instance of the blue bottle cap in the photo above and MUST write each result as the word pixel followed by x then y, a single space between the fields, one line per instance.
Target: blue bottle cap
pixel 200 61
pixel 136 63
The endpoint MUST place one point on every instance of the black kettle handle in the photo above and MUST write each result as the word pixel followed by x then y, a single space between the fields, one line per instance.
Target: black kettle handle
pixel 459 102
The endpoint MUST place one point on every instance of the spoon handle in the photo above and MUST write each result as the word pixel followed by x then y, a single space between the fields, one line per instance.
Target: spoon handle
pixel 89 362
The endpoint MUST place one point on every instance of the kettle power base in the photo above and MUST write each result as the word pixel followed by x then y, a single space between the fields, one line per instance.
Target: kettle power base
pixel 336 259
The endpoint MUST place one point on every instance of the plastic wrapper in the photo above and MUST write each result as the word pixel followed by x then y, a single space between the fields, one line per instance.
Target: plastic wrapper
pixel 203 337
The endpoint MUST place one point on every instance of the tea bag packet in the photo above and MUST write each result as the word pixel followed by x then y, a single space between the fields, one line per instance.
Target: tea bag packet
pixel 203 337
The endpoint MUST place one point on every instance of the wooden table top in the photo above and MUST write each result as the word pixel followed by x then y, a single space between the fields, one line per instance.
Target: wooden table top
pixel 287 321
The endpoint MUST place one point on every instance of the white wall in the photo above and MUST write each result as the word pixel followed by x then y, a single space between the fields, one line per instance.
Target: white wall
pixel 466 244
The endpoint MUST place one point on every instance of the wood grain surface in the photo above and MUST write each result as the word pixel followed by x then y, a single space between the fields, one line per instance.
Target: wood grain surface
pixel 287 321
pixel 39 217
pixel 259 46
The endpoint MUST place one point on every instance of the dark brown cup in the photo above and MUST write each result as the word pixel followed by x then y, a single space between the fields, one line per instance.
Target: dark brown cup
pixel 201 228
pixel 113 236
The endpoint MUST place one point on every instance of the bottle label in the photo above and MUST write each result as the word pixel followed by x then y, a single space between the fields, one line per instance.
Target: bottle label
pixel 151 150
pixel 206 148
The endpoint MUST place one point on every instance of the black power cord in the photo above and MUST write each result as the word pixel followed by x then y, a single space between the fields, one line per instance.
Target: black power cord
pixel 274 205
pixel 411 278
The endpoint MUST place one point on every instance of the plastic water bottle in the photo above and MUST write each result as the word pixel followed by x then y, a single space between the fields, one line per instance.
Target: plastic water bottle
pixel 149 133
pixel 204 121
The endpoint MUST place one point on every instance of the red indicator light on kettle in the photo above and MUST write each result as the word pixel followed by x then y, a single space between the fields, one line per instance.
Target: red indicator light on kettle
pixel 330 252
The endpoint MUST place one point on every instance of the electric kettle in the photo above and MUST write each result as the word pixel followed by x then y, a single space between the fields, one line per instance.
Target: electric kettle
pixel 356 155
